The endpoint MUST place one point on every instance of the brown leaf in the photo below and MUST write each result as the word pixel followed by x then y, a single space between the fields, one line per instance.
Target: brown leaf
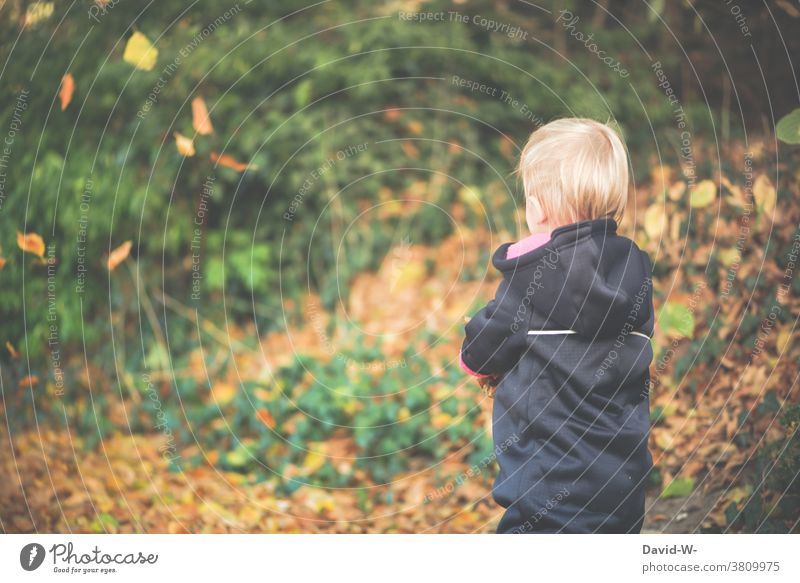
pixel 229 161
pixel 200 118
pixel 119 255
pixel 31 243
pixel 66 91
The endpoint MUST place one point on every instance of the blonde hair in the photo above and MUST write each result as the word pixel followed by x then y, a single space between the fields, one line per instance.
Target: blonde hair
pixel 576 169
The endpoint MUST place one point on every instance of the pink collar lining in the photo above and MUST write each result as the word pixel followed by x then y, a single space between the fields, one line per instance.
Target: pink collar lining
pixel 527 245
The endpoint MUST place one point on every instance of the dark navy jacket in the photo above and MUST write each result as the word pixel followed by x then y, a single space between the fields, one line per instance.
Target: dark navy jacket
pixel 568 332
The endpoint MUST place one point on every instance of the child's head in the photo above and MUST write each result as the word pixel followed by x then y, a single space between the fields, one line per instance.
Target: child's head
pixel 573 169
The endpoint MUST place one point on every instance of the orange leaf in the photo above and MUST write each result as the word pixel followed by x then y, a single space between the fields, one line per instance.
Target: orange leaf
pixel 31 243
pixel 119 255
pixel 185 145
pixel 266 418
pixel 229 161
pixel 28 381
pixel 2 262
pixel 67 89
pixel 200 119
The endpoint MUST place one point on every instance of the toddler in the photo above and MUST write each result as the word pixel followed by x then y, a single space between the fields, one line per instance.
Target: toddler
pixel 566 342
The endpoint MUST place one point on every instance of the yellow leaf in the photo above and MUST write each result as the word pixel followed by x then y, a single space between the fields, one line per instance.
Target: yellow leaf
pixel 11 350
pixel 37 12
pixel 31 243
pixel 676 191
pixel 200 118
pixel 140 52
pixel 119 255
pixel 655 219
pixel 469 196
pixel 185 145
pixel 729 256
pixel 664 440
pixel 223 393
pixel 66 91
pixel 415 127
pixel 441 420
pixel 703 194
pixel 313 461
pixel 765 195
pixel 784 338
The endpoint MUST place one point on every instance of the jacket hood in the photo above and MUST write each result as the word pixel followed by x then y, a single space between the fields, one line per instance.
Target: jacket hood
pixel 587 279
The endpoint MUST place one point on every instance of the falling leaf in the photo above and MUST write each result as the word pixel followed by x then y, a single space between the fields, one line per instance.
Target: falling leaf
pixel 410 149
pixel 66 91
pixel 140 52
pixel 266 418
pixel 703 194
pixel 229 161
pixel 11 350
pixel 765 195
pixel 37 12
pixel 28 381
pixel 185 145
pixel 392 114
pixel 415 127
pixel 119 255
pixel 31 243
pixel 200 118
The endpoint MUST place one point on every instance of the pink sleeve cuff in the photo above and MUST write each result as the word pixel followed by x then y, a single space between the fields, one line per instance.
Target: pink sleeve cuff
pixel 469 371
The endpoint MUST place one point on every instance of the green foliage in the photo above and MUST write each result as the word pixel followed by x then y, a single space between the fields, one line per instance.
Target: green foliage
pixel 788 128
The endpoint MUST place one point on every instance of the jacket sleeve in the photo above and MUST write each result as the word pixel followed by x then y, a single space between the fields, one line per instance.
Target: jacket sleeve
pixel 496 335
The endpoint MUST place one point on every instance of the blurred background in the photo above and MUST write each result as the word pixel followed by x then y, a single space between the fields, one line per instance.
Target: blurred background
pixel 238 241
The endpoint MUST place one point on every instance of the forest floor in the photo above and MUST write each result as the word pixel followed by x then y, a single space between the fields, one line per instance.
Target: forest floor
pixel 125 486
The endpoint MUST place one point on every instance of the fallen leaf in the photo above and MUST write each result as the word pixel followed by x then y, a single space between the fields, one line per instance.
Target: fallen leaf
pixel 765 195
pixel 185 145
pixel 28 381
pixel 200 118
pixel 66 91
pixel 266 418
pixel 703 194
pixel 678 488
pixel 224 392
pixel 229 161
pixel 31 243
pixel 119 255
pixel 140 52
pixel 655 219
